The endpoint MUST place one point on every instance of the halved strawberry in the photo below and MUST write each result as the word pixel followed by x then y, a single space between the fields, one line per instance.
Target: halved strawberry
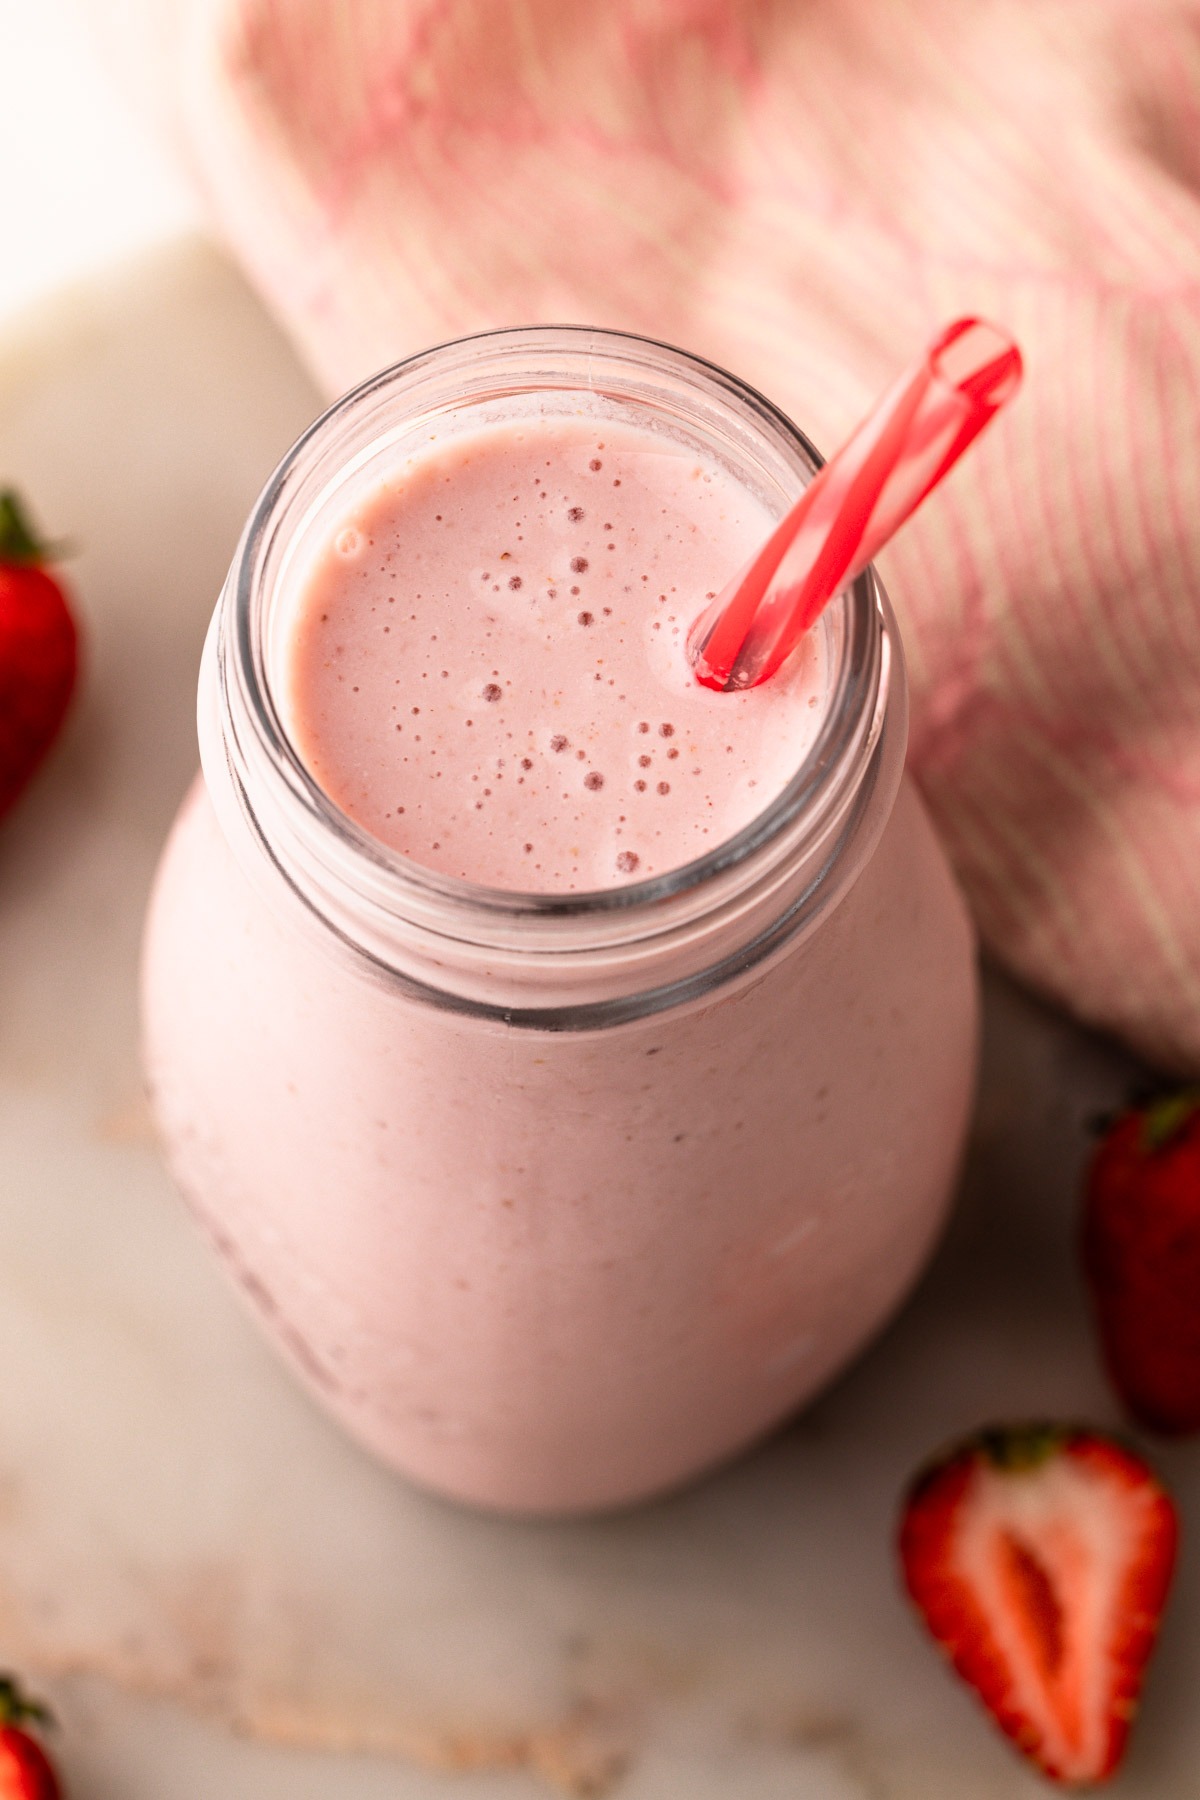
pixel 1040 1557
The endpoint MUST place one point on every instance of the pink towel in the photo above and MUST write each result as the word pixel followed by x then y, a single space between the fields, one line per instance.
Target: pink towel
pixel 803 190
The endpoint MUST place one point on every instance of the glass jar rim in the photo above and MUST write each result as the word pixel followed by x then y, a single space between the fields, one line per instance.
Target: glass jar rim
pixel 837 754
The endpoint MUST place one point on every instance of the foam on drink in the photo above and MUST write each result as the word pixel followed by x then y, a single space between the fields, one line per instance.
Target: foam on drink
pixel 486 668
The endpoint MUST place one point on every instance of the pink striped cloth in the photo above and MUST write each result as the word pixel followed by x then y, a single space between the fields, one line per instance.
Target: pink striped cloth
pixel 803 192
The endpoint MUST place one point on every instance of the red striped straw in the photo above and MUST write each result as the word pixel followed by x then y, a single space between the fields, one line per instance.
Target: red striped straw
pixel 855 503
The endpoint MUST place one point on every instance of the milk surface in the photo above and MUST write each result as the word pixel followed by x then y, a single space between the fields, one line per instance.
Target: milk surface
pixel 485 658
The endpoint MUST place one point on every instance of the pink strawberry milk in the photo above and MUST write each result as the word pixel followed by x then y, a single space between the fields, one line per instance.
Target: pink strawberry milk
pixel 569 1063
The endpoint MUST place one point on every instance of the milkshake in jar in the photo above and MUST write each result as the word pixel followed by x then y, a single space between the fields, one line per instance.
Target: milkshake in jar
pixel 570 1064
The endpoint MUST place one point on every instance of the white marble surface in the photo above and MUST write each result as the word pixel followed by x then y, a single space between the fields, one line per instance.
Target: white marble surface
pixel 225 1599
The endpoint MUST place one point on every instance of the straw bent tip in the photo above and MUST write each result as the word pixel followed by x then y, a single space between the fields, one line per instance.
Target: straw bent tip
pixel 855 503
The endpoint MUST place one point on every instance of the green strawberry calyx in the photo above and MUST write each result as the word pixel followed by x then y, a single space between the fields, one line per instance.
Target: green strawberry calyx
pixel 1014 1449
pixel 19 542
pixel 16 1708
pixel 1164 1119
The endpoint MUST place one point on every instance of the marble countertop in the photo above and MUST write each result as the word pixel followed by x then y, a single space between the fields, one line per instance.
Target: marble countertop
pixel 221 1596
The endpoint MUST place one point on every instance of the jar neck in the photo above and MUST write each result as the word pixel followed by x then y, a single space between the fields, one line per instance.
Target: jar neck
pixel 549 961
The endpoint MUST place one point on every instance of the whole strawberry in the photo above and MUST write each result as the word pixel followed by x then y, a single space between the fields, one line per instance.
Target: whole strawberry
pixel 38 652
pixel 1141 1255
pixel 26 1772
pixel 1040 1557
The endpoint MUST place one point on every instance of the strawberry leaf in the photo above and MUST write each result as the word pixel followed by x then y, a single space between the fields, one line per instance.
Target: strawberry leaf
pixel 1014 1449
pixel 19 543
pixel 16 1708
pixel 1167 1118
